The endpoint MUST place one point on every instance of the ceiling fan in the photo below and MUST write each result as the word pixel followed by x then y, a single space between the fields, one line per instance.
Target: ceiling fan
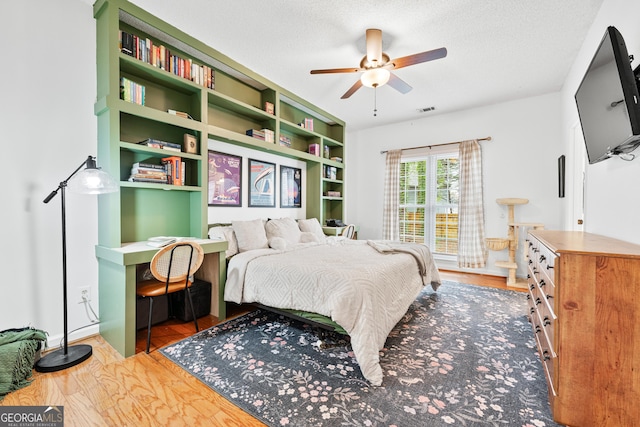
pixel 376 65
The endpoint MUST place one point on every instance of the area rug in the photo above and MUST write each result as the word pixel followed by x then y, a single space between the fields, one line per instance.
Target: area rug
pixel 464 355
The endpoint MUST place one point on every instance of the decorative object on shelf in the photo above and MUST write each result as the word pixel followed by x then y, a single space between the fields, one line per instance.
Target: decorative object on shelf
pixel 225 179
pixel 269 108
pixel 290 187
pixel 190 144
pixel 262 177
pixel 89 181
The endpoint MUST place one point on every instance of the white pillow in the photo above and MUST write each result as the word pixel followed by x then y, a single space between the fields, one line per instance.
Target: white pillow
pixel 285 228
pixel 308 237
pixel 225 233
pixel 312 225
pixel 278 243
pixel 250 235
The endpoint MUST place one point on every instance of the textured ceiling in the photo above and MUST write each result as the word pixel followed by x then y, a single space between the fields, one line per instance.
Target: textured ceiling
pixel 497 50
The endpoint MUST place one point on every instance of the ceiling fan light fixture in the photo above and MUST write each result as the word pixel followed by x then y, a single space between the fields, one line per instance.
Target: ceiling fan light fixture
pixel 375 77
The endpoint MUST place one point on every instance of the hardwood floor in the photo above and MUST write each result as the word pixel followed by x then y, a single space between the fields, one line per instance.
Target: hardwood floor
pixel 148 389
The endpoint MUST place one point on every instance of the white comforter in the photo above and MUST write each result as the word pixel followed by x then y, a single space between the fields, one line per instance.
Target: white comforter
pixel 364 286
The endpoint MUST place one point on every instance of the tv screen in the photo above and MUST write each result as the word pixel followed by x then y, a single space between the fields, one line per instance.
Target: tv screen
pixel 607 101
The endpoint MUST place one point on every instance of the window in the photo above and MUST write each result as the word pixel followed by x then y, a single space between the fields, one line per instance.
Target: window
pixel 429 201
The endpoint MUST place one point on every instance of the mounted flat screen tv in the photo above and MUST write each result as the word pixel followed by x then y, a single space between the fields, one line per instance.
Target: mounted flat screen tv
pixel 607 101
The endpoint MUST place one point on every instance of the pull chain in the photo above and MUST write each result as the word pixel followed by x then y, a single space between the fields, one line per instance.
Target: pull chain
pixel 375 101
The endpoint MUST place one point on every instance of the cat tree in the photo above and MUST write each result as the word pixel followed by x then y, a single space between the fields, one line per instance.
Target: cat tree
pixel 511 241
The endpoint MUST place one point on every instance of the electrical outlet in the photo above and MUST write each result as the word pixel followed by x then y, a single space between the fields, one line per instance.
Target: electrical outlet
pixel 84 294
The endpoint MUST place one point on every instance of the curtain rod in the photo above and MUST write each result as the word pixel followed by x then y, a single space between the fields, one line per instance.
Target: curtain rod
pixel 488 138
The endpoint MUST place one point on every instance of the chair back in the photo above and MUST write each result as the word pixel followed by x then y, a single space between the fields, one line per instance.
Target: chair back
pixel 176 262
pixel 349 231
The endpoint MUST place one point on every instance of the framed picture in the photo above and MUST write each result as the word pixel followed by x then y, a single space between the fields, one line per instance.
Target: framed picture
pixel 262 182
pixel 225 179
pixel 290 187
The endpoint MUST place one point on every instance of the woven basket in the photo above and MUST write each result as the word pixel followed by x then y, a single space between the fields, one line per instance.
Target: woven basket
pixel 497 243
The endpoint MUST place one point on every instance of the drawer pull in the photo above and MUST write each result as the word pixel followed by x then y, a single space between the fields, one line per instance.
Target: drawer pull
pixel 549 267
pixel 542 283
pixel 542 258
pixel 545 355
pixel 549 296
pixel 546 321
pixel 538 330
pixel 538 301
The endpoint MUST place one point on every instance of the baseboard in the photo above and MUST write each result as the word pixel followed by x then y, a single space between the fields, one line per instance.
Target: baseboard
pixel 55 341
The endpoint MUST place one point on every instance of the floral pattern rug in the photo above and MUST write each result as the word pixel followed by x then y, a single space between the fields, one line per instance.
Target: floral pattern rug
pixel 462 356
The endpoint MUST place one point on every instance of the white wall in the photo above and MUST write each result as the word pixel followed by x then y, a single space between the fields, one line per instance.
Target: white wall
pixel 47 128
pixel 612 193
pixel 519 161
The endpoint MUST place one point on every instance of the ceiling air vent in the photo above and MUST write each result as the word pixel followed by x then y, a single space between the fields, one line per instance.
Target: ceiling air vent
pixel 426 109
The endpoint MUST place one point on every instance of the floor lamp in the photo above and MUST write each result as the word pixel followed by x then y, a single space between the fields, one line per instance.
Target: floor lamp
pixel 91 180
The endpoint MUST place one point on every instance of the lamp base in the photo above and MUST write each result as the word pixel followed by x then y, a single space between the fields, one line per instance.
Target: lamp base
pixel 57 360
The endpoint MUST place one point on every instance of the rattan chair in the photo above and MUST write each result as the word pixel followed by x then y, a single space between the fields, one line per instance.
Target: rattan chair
pixel 349 231
pixel 173 267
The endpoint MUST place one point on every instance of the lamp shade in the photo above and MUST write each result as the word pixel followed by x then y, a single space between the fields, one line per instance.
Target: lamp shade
pixel 92 181
pixel 375 77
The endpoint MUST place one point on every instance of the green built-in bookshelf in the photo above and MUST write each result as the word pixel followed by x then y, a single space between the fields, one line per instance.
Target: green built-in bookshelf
pixel 184 87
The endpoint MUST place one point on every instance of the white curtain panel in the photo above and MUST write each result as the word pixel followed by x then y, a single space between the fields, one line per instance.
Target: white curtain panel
pixel 472 251
pixel 390 220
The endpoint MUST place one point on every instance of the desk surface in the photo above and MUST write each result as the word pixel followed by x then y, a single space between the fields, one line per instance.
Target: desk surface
pixel 139 252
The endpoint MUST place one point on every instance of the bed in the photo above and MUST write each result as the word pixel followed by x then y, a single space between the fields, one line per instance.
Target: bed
pixel 363 286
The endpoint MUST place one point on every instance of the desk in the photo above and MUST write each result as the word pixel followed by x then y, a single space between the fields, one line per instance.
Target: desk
pixel 117 287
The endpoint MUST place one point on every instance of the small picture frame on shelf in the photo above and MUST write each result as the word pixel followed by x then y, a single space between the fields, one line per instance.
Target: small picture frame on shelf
pixel 290 187
pixel 262 182
pixel 225 179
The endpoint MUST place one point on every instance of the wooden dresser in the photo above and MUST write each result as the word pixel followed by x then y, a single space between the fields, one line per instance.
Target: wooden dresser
pixel 584 307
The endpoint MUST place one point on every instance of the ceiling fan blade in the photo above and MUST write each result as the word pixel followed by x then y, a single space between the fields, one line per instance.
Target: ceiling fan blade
pixel 337 70
pixel 418 58
pixel 398 84
pixel 374 47
pixel 357 85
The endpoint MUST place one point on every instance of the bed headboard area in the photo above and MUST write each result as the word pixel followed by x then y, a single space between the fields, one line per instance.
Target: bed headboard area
pixel 277 233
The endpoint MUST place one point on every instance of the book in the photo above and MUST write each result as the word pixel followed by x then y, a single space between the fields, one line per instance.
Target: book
pixel 314 149
pixel 147 165
pixel 174 169
pixel 308 124
pixel 269 135
pixel 156 143
pixel 285 141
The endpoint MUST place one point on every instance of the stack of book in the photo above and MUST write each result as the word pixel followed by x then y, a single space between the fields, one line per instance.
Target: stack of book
pixel 175 169
pixel 148 172
pixel 285 141
pixel 131 91
pixel 257 134
pixel 269 135
pixel 160 56
pixel 156 143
